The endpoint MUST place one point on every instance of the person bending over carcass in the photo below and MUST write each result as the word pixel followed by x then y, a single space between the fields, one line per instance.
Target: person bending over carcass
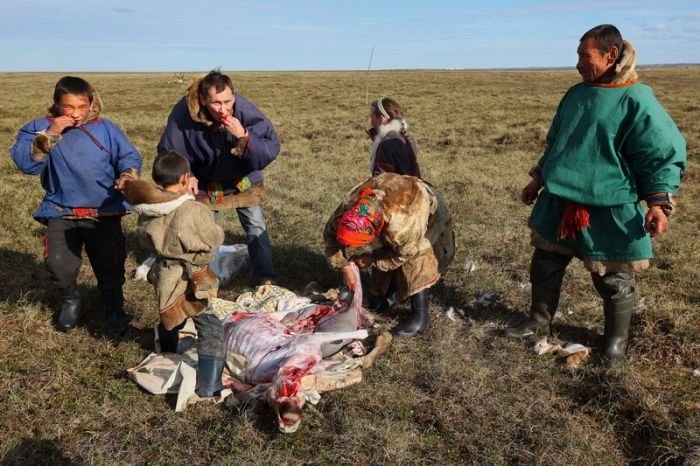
pixel 183 236
pixel 82 158
pixel 407 224
pixel 611 145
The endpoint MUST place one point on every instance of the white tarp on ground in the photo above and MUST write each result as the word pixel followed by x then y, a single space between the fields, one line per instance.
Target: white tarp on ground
pixel 161 373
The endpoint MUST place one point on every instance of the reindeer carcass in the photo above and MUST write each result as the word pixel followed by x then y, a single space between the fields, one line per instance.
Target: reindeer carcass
pixel 281 348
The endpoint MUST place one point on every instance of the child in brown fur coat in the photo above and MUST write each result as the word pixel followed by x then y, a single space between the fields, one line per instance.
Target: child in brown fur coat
pixel 183 235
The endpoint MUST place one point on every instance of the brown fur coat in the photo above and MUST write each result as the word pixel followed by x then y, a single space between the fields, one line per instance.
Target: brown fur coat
pixel 182 233
pixel 417 242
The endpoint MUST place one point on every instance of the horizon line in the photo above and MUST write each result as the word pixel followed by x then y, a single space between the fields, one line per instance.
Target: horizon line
pixel 515 68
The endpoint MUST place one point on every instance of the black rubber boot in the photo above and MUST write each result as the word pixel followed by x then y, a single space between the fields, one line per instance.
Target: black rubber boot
pixel 69 312
pixel 617 325
pixel 169 339
pixel 546 276
pixel 117 321
pixel 618 295
pixel 420 317
pixel 377 303
pixel 381 303
pixel 537 324
pixel 209 370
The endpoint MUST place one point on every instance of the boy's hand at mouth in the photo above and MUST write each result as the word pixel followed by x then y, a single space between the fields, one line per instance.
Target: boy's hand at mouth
pixel 59 124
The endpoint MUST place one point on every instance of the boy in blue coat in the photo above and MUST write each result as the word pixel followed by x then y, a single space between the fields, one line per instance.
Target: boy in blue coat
pixel 82 159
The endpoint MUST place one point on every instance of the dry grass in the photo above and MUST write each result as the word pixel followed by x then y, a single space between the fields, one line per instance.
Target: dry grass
pixel 460 394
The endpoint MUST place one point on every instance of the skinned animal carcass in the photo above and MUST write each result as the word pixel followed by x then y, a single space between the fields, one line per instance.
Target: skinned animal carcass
pixel 281 348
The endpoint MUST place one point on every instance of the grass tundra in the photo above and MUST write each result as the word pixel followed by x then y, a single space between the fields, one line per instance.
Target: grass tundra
pixel 462 393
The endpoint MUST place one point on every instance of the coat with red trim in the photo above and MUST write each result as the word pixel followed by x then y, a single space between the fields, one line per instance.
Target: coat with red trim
pixel 79 167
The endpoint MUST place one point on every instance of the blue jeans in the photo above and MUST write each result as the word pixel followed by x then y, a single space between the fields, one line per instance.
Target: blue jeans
pixel 259 248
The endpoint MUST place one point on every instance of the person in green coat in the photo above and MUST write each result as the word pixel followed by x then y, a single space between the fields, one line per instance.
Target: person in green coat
pixel 611 145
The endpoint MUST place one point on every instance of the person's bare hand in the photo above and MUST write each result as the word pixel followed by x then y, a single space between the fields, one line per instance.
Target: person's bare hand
pixel 193 186
pixel 349 277
pixel 655 221
pixel 530 192
pixel 59 124
pixel 233 125
pixel 119 184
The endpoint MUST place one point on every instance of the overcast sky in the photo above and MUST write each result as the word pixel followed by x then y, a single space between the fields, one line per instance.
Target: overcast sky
pixel 198 35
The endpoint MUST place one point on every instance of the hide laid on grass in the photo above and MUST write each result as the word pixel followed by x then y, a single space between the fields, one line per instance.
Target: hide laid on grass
pixel 287 357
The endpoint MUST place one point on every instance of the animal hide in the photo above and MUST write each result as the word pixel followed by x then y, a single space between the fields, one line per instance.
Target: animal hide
pixel 281 348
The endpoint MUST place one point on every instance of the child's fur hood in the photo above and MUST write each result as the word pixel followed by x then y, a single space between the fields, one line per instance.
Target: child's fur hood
pixel 152 201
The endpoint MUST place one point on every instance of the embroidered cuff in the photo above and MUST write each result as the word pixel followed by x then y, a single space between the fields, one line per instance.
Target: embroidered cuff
pixel 244 184
pixel 663 200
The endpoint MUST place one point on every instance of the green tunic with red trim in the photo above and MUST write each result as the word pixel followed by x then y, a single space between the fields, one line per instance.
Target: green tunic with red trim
pixel 608 148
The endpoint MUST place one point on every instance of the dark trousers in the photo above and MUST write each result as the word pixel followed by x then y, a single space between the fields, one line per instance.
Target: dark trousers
pixel 547 273
pixel 105 246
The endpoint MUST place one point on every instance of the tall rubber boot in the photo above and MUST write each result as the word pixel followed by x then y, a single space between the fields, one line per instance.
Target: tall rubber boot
pixel 379 303
pixel 541 315
pixel 419 319
pixel 547 271
pixel 618 315
pixel 169 339
pixel 69 311
pixel 117 321
pixel 618 295
pixel 209 370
